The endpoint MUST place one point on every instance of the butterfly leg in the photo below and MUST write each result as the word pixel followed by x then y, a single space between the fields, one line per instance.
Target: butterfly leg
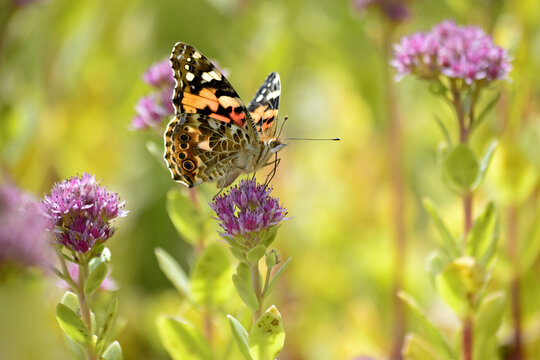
pixel 272 173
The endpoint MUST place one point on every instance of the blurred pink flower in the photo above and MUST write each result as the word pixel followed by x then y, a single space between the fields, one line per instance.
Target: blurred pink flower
pixel 394 10
pixel 23 237
pixel 456 52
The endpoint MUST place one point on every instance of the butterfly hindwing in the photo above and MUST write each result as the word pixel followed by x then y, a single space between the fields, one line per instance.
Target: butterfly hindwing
pixel 202 89
pixel 265 104
pixel 200 148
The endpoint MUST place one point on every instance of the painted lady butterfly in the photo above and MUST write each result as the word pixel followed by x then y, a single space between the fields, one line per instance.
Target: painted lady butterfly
pixel 213 136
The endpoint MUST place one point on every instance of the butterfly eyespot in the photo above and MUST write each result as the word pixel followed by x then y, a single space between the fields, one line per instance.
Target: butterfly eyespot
pixel 184 137
pixel 188 165
pixel 182 155
pixel 186 128
pixel 184 146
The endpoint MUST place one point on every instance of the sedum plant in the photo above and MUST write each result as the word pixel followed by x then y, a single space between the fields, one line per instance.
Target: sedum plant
pixel 460 64
pixel 80 213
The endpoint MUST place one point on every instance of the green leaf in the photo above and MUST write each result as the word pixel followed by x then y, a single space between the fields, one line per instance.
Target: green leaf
pixel 484 164
pixel 72 325
pixel 95 278
pixel 459 283
pixel 268 236
pixel 448 240
pixel 267 336
pixel 488 320
pixel 156 151
pixel 244 287
pixel 277 275
pixel 444 131
pixel 113 352
pixel 416 347
pixel 256 253
pixel 173 271
pixel 482 239
pixel 431 332
pixel 71 301
pixel 182 341
pixel 435 264
pixel 184 216
pixel 480 119
pixel 107 323
pixel 530 248
pixel 241 336
pixel 461 167
pixel 210 278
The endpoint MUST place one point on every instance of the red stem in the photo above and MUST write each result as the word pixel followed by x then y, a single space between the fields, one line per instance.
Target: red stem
pixel 395 149
pixel 467 350
pixel 516 353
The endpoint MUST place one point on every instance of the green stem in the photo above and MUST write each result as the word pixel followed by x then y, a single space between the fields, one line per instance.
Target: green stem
pixel 84 305
pixel 255 280
pixel 266 281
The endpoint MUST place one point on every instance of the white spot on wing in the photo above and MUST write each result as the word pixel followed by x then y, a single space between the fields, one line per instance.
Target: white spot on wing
pixel 273 94
pixel 259 98
pixel 186 66
pixel 190 76
pixel 197 55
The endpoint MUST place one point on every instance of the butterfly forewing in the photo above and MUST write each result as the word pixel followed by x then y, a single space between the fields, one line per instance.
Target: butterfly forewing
pixel 202 89
pixel 265 104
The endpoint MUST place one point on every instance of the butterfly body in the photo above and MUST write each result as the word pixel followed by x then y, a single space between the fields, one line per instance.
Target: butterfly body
pixel 214 137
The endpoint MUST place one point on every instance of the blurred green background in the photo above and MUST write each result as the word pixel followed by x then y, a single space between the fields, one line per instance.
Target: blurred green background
pixel 71 73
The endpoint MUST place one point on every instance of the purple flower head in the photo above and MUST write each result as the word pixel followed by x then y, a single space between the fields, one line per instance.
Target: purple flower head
pixel 160 74
pixel 394 10
pixel 452 51
pixel 247 211
pixel 23 236
pixel 152 109
pixel 81 211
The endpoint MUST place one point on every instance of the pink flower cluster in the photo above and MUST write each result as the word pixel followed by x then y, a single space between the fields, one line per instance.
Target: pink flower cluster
pixel 247 210
pixel 456 52
pixel 153 108
pixel 23 237
pixel 81 211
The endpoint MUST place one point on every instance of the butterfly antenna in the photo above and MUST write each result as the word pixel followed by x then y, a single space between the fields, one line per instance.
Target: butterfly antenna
pixel 312 139
pixel 281 128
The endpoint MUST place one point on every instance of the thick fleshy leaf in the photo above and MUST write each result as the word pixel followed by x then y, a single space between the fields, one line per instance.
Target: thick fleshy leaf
pixel 449 242
pixel 484 164
pixel 529 249
pixel 487 322
pixel 435 264
pixel 416 347
pixel 173 271
pixel 184 216
pixel 72 325
pixel 483 114
pixel 268 236
pixel 211 277
pixel 182 341
pixel 244 287
pixel 241 336
pixel 95 278
pixel 482 239
pixel 431 333
pixel 113 352
pixel 459 283
pixel 276 277
pixel 267 336
pixel 71 301
pixel 107 323
pixel 256 253
pixel 461 167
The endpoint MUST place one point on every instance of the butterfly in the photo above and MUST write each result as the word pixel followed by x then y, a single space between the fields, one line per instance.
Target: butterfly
pixel 213 136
